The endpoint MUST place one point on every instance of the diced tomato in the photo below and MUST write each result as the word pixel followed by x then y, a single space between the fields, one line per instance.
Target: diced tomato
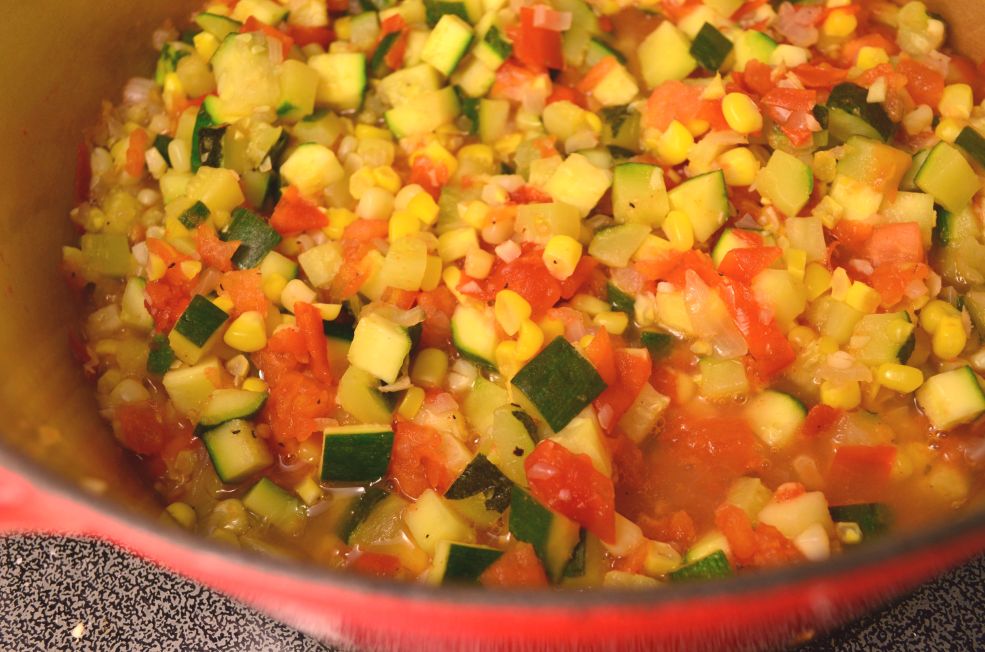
pixel 295 402
pixel 677 528
pixel 822 75
pixel 895 243
pixel 758 77
pixel 697 262
pixel 141 427
pixel 819 419
pixel 338 6
pixel 580 277
pixel 675 100
pixel 528 277
pixel 254 25
pixel 527 194
pixel 418 461
pixel 245 288
pixel 850 50
pixel 438 305
pixel 859 474
pixel 769 348
pixel 568 483
pixel 168 296
pixel 429 175
pixel 760 547
pixel 893 282
pixel 537 47
pixel 513 81
pixel 285 353
pixel 603 357
pixel 561 92
pixel 633 368
pixel 597 73
pixel 215 253
pixel 304 35
pixel 310 324
pixel 658 268
pixel 363 230
pixel 294 214
pixel 139 140
pixel 394 57
pixel 925 85
pixel 791 108
pixel 403 299
pixel 745 263
pixel 518 567
pixel 678 9
pixel 629 472
pixel 83 172
pixel 376 564
pixel 748 8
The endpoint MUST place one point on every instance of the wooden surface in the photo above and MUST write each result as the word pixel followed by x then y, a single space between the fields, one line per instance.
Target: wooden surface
pixel 966 19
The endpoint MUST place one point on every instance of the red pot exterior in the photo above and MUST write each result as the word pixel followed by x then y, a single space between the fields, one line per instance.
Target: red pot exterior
pixel 381 616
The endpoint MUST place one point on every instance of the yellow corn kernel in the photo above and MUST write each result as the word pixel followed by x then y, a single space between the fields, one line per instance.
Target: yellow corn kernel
pixel 247 333
pixel 589 305
pixel 411 403
pixel 934 312
pixel 455 244
pixel 273 286
pixel 507 359
pixel 801 336
pixel 677 227
pixel 840 284
pixel 511 311
pixel 615 322
pixel 338 219
pixel 156 267
pixel 387 178
pixel 451 277
pixel 223 303
pixel 173 91
pixel 824 166
pixel 863 298
pixel 430 368
pixel 740 166
pixel 674 145
pixel 205 44
pixel 741 113
pixel 220 219
pixel 328 311
pixel 957 101
pixel 839 24
pixel 844 396
pixel 432 274
pixel 438 155
pixel 552 328
pixel 403 223
pixel 361 181
pixel 343 28
pixel 714 90
pixel 796 260
pixel 478 263
pixel 529 340
pixel 585 341
pixel 950 338
pixel 508 144
pixel 254 384
pixel 190 268
pixel 869 57
pixel 477 154
pixel 948 129
pixel 698 127
pixel 899 377
pixel 561 255
pixel 182 513
pixel 366 132
pixel 423 207
pixel 653 247
pixel 817 280
pixel 476 214
pixel 826 345
pixel 594 122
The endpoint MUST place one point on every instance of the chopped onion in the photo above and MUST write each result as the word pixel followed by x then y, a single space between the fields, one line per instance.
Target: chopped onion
pixel 547 18
pixel 405 318
pixel 138 90
pixel 628 279
pixel 399 385
pixel 710 318
pixel 798 25
pixel 709 148
pixel 443 403
pixel 508 251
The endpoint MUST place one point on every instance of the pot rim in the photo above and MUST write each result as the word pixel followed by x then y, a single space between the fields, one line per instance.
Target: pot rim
pixel 764 580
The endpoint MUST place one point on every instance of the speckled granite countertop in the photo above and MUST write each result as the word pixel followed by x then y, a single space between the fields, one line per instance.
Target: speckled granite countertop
pixel 68 594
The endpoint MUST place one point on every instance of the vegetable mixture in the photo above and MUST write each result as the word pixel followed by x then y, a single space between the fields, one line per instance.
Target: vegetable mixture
pixel 540 292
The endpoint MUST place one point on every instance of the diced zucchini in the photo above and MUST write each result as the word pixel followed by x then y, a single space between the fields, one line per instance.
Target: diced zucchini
pixel 704 199
pixel 474 78
pixel 447 44
pixel 342 79
pixel 787 182
pixel 481 403
pixel 356 453
pixel 599 49
pixel 255 236
pixel 666 55
pixel 615 245
pixel 107 254
pixel 779 292
pixel 775 417
pixel 298 91
pixel 639 194
pixel 948 177
pixel 358 395
pixel 236 451
pixel 552 535
pixel 228 404
pixel 512 440
pixel 432 520
pixel 424 113
pixel 133 310
pixel 266 11
pixel 382 524
pixel 873 519
pixel 752 45
pixel 833 318
pixel 217 25
pixel 713 566
pixel 881 338
pixel 281 509
pixel 617 88
pixel 951 398
pixel 874 163
pixel 621 129
pixel 481 477
pixel 190 387
pixel 559 382
pixel 197 329
pixel 583 436
pixel 160 356
pixel 538 222
pixel 312 167
pixel 379 347
pixel 245 76
pixel 459 563
pixel 474 334
pixel 358 510
pixel 710 48
pixel 619 300
pixel 658 343
pixel 791 516
pixel 493 118
pixel 913 207
pixel 972 142
pixel 734 238
pixel 851 114
pixel 722 379
pixel 706 545
pixel 579 183
pixel 494 49
pixel 402 86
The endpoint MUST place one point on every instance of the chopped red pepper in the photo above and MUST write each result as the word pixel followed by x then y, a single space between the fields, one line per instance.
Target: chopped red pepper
pixel 537 47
